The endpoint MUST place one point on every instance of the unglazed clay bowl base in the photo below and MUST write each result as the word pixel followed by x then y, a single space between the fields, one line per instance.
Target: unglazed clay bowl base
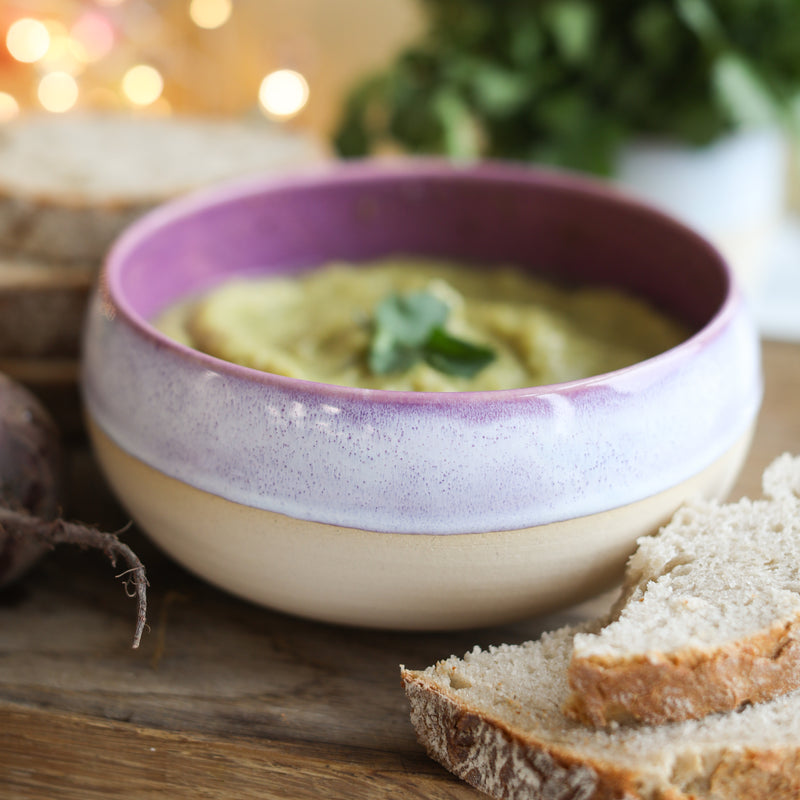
pixel 393 580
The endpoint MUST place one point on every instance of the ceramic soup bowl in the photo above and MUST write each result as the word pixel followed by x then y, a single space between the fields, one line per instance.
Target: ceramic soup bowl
pixel 413 510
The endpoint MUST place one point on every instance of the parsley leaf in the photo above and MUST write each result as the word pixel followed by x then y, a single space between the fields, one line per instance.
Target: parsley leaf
pixel 409 328
pixel 454 356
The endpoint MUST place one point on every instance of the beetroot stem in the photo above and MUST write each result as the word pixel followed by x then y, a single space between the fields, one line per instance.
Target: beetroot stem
pixel 20 524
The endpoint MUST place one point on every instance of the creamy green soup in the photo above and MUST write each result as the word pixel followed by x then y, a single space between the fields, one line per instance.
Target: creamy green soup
pixel 319 326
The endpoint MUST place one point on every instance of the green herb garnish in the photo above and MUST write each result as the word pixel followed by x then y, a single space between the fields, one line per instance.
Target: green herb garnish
pixel 410 328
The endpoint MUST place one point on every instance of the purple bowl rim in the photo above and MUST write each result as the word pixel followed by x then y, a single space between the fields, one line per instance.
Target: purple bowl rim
pixel 366 171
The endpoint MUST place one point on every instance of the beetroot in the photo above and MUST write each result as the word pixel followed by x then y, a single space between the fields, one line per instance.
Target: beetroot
pixel 30 468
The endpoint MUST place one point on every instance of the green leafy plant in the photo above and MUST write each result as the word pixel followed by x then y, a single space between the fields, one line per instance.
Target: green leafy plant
pixel 409 328
pixel 567 81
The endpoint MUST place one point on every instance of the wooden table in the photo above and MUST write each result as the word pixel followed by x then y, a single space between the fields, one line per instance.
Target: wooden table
pixel 223 699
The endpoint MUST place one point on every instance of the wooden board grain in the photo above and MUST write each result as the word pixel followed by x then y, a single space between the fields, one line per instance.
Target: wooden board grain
pixel 75 758
pixel 224 699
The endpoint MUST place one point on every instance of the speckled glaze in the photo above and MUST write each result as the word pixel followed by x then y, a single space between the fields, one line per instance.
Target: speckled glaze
pixel 408 462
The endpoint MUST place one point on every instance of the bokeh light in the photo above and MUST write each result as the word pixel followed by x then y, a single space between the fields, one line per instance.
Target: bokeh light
pixel 58 91
pixel 28 40
pixel 210 14
pixel 60 55
pixel 58 37
pixel 92 37
pixel 142 85
pixel 283 93
pixel 9 107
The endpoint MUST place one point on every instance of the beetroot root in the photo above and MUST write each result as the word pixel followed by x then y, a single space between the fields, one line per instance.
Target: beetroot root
pixel 21 526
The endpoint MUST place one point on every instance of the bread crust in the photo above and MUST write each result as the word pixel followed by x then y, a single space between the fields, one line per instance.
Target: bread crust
pixel 655 688
pixel 751 774
pixel 509 764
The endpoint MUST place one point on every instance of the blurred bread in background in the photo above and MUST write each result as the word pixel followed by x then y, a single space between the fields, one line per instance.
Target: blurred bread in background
pixel 69 184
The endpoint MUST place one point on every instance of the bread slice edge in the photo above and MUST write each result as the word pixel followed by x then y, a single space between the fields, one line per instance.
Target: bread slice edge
pixel 504 762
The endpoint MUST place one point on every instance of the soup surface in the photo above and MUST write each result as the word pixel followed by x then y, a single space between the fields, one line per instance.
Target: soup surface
pixel 322 326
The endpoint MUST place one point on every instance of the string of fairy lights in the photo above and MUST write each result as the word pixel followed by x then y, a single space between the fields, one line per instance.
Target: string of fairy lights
pixel 63 48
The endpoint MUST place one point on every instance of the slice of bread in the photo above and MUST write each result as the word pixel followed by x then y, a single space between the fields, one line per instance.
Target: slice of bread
pixel 709 618
pixel 70 183
pixel 494 718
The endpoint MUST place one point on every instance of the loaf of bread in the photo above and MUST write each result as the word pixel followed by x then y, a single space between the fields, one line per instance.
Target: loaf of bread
pixel 688 689
pixel 70 183
pixel 709 618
